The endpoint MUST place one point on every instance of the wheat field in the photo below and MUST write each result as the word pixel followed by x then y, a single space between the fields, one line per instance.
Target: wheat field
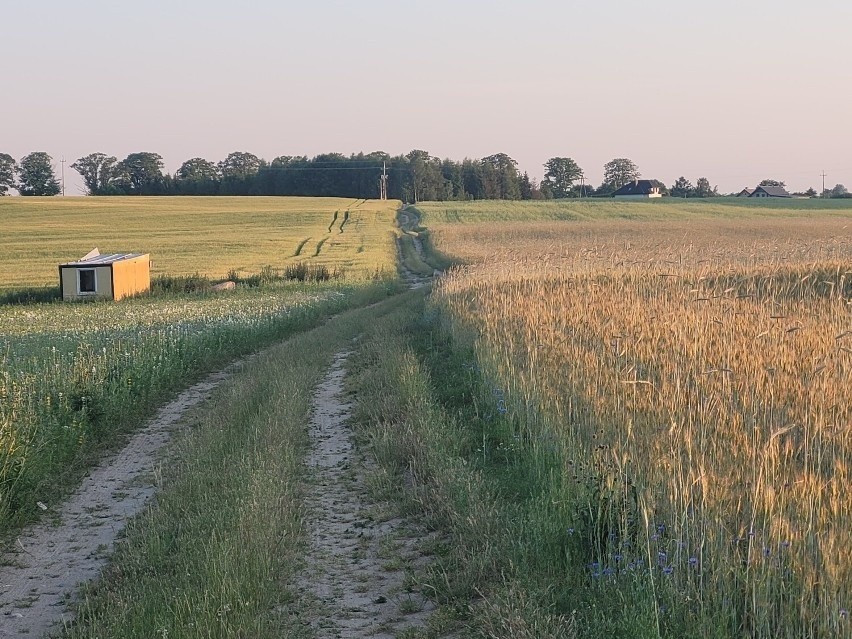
pixel 184 235
pixel 692 374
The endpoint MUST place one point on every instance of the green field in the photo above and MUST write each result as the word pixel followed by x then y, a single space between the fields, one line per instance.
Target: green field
pixel 436 214
pixel 185 235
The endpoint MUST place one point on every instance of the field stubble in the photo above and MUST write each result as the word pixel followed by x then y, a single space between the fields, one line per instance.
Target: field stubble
pixel 692 379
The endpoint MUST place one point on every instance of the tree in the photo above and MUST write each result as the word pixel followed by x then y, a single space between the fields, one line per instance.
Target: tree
pixel 772 183
pixel 839 191
pixel 811 192
pixel 560 176
pixel 98 170
pixel 197 177
pixel 703 188
pixel 682 188
pixel 197 169
pixel 8 170
pixel 238 171
pixel 619 172
pixel 141 173
pixel 501 174
pixel 239 165
pixel 37 176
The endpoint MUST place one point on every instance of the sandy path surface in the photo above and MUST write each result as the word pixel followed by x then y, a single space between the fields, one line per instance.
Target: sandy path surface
pixel 49 561
pixel 359 565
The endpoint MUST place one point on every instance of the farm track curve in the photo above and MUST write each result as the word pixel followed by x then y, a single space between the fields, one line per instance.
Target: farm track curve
pixel 40 575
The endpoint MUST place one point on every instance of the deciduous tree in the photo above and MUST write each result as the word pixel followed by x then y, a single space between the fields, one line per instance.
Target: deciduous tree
pixel 503 171
pixel 619 172
pixel 197 169
pixel 682 188
pixel 239 165
pixel 8 171
pixel 703 188
pixel 560 175
pixel 839 191
pixel 142 173
pixel 37 176
pixel 772 183
pixel 98 172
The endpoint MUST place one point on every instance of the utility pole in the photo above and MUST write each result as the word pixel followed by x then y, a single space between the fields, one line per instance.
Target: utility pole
pixel 62 162
pixel 383 182
pixel 823 183
pixel 582 186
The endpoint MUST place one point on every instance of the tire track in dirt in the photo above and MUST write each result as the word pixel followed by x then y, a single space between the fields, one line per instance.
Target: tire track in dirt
pixel 40 575
pixel 358 577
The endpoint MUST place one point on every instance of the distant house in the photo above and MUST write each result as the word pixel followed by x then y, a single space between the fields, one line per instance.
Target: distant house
pixel 113 276
pixel 640 190
pixel 745 192
pixel 770 191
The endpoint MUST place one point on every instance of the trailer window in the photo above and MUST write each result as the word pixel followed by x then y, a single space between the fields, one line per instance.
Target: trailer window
pixel 86 282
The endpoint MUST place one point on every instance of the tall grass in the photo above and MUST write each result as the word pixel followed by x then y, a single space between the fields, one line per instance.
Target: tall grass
pixel 74 377
pixel 683 397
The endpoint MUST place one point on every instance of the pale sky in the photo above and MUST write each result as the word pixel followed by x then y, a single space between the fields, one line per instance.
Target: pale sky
pixel 734 90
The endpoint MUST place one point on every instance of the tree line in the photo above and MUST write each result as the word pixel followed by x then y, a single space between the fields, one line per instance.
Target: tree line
pixel 412 177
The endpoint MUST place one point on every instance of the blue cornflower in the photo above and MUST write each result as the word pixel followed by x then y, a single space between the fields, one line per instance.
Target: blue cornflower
pixel 693 561
pixel 668 570
pixel 618 557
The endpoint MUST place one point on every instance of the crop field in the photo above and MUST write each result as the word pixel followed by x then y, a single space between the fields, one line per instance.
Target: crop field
pixel 75 377
pixel 184 235
pixel 676 377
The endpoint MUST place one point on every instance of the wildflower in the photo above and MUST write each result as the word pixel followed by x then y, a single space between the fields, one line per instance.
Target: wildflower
pixel 693 561
pixel 608 572
pixel 618 557
pixel 668 570
pixel 844 613
pixel 661 558
pixel 570 531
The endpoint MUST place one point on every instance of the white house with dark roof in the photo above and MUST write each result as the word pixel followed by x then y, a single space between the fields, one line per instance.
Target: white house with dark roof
pixel 770 191
pixel 640 190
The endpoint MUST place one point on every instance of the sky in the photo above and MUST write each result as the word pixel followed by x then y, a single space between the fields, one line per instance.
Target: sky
pixel 732 90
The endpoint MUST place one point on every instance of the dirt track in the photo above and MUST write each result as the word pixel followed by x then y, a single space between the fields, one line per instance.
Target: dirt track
pixel 360 561
pixel 41 574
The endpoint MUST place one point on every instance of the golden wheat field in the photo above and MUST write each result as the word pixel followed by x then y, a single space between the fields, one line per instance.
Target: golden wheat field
pixel 696 377
pixel 184 235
